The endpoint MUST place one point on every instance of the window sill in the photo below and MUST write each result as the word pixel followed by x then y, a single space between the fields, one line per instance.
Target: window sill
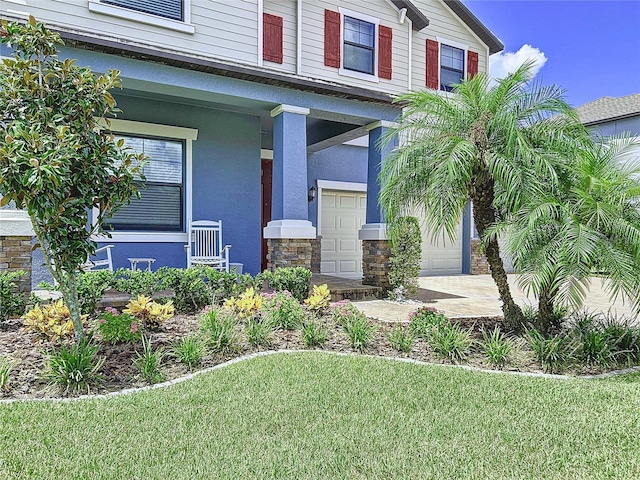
pixel 144 237
pixel 119 12
pixel 362 76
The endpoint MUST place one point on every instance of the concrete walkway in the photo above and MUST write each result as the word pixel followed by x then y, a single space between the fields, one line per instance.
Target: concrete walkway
pixel 480 299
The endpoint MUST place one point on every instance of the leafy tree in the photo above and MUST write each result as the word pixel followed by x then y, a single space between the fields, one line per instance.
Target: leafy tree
pixel 55 160
pixel 406 248
pixel 586 225
pixel 487 144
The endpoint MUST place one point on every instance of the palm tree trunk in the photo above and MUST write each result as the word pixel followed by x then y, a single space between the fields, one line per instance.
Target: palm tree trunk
pixel 545 311
pixel 484 215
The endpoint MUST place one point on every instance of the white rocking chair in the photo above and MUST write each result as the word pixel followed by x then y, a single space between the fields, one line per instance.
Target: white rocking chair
pixel 205 245
pixel 104 262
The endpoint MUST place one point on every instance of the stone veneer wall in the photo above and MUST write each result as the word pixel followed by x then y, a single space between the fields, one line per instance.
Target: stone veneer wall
pixel 316 254
pixel 15 254
pixel 289 252
pixel 479 264
pixel 375 263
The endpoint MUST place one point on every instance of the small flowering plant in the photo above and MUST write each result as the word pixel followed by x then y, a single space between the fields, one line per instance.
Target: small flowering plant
pixel 424 320
pixel 282 310
pixel 118 327
pixel 343 311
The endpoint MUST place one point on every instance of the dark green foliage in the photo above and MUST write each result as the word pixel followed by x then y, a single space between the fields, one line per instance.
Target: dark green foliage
pixel 189 351
pixel 282 310
pixel 296 280
pixel 197 287
pixel 314 334
pixel 401 339
pixel 554 353
pixel 91 287
pixel 75 368
pixel 149 364
pixel 259 332
pixel 423 320
pixel 12 301
pixel 497 346
pixel 218 327
pixel 118 328
pixel 136 282
pixel 359 330
pixel 406 250
pixel 449 341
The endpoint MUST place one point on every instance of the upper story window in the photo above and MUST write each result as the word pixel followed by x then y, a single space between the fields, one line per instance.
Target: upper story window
pixel 162 194
pixel 171 14
pixel 451 66
pixel 172 9
pixel 359 45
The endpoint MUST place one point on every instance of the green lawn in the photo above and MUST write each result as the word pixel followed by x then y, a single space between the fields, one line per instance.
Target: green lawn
pixel 312 415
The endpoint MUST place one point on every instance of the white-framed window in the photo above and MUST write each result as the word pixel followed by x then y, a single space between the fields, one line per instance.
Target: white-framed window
pixel 171 14
pixel 164 209
pixel 359 45
pixel 453 65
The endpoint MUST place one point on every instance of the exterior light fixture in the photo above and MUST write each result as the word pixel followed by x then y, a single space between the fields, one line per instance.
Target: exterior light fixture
pixel 312 194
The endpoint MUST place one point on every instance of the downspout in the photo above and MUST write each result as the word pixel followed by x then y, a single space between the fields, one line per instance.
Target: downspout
pixel 410 62
pixel 299 40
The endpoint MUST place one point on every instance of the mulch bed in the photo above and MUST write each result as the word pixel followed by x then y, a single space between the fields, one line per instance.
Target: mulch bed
pixel 30 350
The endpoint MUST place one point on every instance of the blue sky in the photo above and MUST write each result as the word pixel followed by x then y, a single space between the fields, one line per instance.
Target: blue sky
pixel 591 47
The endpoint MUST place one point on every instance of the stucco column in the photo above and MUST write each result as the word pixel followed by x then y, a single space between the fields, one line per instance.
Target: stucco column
pixel 376 248
pixel 289 233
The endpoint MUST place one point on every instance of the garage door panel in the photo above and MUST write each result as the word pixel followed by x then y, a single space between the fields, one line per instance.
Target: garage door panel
pixel 348 223
pixel 348 245
pixel 328 244
pixel 349 202
pixel 328 267
pixel 329 200
pixel 349 267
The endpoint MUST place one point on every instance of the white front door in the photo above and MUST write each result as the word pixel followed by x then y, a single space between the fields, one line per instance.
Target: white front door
pixel 342 215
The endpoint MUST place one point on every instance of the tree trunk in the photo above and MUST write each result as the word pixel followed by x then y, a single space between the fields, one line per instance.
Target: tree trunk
pixel 70 293
pixel 484 215
pixel 545 311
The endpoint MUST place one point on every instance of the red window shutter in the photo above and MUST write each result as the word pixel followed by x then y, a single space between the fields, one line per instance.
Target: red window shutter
pixel 272 38
pixel 385 48
pixel 433 64
pixel 332 39
pixel 472 64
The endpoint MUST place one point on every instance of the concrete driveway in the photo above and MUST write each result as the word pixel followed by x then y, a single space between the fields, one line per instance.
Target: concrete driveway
pixel 479 298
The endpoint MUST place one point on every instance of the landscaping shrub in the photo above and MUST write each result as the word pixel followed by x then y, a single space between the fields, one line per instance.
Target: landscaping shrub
pixel 293 279
pixel 218 325
pixel 75 368
pixel 52 320
pixel 91 288
pixel 245 306
pixel 319 299
pixel 450 341
pixel 137 282
pixel 497 346
pixel 149 364
pixel 401 339
pixel 359 330
pixel 118 328
pixel 424 319
pixel 189 351
pixel 151 314
pixel 314 334
pixel 553 353
pixel 406 250
pixel 342 311
pixel 259 332
pixel 6 367
pixel 12 301
pixel 282 310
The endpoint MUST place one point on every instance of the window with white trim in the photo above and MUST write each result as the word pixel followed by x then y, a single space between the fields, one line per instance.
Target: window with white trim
pixel 171 14
pixel 161 206
pixel 451 66
pixel 172 9
pixel 359 45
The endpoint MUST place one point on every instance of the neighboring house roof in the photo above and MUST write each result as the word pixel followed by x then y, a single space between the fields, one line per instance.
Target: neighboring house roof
pixel 607 109
pixel 475 25
pixel 420 21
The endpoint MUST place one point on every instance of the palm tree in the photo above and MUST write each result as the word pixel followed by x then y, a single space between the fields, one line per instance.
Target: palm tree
pixel 484 143
pixel 588 225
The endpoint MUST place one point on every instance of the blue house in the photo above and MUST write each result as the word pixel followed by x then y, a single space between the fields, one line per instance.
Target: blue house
pixel 265 114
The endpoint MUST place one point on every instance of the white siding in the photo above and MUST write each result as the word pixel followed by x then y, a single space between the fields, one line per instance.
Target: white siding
pixel 287 9
pixel 224 29
pixel 442 23
pixel 313 43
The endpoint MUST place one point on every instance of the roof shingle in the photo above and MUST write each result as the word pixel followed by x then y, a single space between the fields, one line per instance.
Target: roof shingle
pixel 609 108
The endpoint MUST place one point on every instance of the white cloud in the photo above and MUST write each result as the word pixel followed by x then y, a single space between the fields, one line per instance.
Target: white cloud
pixel 503 63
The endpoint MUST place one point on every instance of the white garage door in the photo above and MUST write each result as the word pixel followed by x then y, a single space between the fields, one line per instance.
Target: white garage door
pixel 442 256
pixel 342 215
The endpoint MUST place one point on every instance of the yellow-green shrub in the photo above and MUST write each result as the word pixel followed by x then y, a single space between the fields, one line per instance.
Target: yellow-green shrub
pixel 52 320
pixel 151 314
pixel 319 299
pixel 246 305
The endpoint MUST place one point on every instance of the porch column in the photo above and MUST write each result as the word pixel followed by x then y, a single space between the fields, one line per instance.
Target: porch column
pixel 290 233
pixel 376 248
pixel 15 245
